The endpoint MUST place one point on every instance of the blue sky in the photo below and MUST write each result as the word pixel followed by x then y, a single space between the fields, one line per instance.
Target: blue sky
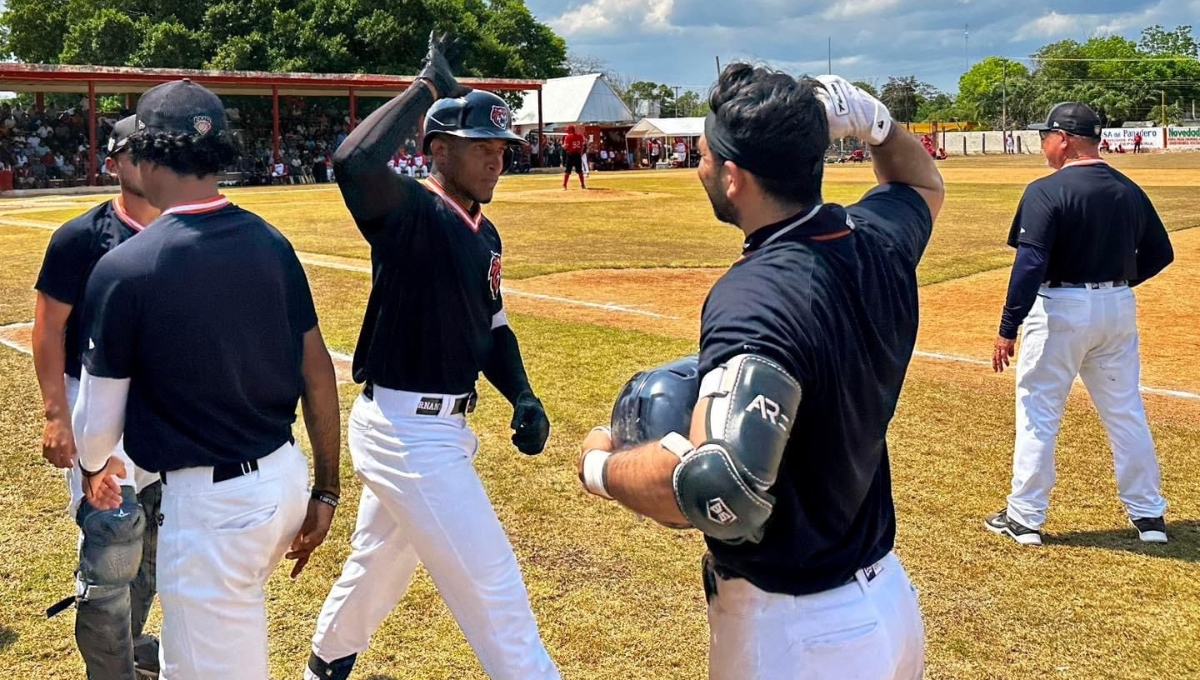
pixel 675 41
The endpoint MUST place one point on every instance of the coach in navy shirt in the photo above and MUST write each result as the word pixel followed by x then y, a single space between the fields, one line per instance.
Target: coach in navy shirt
pixel 804 346
pixel 200 337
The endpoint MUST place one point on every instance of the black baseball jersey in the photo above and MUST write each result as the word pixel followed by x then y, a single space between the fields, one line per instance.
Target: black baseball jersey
pixel 205 314
pixel 435 294
pixel 840 316
pixel 74 249
pixel 1095 224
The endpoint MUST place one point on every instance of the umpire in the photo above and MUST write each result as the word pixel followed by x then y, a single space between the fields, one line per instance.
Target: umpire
pixel 1085 236
pixel 804 346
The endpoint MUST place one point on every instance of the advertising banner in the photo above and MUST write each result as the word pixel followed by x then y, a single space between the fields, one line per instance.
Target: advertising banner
pixel 1152 138
pixel 1183 138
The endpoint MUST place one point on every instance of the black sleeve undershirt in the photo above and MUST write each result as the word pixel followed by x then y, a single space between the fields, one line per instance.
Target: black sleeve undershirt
pixel 505 369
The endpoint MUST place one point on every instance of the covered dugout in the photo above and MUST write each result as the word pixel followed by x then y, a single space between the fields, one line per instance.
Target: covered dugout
pixel 91 81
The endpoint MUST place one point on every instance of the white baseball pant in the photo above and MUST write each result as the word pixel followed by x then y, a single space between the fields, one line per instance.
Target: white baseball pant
pixel 1090 333
pixel 217 545
pixel 134 476
pixel 868 629
pixel 423 502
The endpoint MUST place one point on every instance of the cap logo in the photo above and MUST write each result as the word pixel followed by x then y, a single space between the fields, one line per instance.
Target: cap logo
pixel 141 124
pixel 112 144
pixel 202 124
pixel 500 117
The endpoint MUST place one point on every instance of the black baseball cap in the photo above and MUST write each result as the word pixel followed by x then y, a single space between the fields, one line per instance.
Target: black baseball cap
pixel 119 138
pixel 1072 118
pixel 181 107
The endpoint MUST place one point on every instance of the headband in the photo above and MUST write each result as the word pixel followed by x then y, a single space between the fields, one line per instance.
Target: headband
pixel 761 156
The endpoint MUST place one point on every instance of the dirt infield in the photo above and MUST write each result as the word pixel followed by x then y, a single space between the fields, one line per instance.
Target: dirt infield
pixel 576 195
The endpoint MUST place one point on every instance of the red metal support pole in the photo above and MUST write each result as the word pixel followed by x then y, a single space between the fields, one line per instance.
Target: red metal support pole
pixel 353 109
pixel 541 133
pixel 128 101
pixel 91 133
pixel 39 102
pixel 275 121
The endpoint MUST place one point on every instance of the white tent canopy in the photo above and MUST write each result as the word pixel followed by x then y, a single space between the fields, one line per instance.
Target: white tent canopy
pixel 667 127
pixel 576 99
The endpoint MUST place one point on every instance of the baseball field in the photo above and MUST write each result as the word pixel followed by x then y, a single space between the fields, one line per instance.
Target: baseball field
pixel 604 282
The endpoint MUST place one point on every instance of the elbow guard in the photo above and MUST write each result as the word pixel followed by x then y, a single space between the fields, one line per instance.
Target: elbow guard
pixel 722 486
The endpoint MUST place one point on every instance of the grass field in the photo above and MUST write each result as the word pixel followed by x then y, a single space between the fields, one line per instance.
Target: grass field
pixel 604 283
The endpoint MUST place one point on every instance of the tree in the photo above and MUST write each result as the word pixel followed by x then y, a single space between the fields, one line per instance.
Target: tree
pixel 107 38
pixel 981 90
pixel 867 87
pixel 644 90
pixel 691 104
pixel 1160 42
pixel 904 95
pixel 583 64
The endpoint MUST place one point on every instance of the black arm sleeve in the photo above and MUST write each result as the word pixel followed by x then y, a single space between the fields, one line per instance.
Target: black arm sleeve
pixel 504 369
pixel 1154 251
pixel 370 188
pixel 1028 275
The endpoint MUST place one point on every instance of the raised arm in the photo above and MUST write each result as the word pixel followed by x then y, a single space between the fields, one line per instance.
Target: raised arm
pixel 369 187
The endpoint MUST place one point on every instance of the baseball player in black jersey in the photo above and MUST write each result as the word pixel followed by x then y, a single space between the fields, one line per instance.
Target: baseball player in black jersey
pixel 200 338
pixel 804 346
pixel 110 619
pixel 435 319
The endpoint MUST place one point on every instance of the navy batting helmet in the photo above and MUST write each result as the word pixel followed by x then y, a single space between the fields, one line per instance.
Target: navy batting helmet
pixel 656 402
pixel 479 114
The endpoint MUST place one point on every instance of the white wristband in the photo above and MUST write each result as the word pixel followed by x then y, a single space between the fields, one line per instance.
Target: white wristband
pixel 593 472
pixel 677 444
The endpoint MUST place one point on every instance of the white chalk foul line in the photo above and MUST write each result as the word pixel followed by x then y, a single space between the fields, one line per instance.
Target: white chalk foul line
pixel 607 306
pixel 13 345
pixel 1178 394
pixel 346 358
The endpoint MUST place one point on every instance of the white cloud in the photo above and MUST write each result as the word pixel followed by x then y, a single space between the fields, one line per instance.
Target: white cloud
pixel 607 16
pixel 847 9
pixel 1050 25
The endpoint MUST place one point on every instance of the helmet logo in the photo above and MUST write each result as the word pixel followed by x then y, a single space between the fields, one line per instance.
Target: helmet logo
pixel 500 117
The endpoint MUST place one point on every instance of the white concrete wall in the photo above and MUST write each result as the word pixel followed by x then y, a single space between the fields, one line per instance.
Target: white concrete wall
pixel 989 142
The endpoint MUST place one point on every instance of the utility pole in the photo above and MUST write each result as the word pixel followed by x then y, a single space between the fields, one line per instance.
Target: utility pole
pixel 1004 107
pixel 1163 115
pixel 718 58
pixel 676 100
pixel 830 71
pixel 966 48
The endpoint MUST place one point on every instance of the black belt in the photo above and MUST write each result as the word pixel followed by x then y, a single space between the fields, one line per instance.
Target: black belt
pixel 1093 286
pixel 432 406
pixel 226 471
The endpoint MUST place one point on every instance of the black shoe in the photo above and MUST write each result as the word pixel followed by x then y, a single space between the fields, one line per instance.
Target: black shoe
pixel 999 523
pixel 1151 529
pixel 145 657
pixel 329 670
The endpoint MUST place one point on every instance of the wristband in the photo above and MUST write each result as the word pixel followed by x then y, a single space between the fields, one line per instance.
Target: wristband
pixel 86 474
pixel 330 499
pixel 677 444
pixel 594 463
pixel 428 83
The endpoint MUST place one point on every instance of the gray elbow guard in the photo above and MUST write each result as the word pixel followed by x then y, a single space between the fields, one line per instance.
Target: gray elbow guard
pixel 722 486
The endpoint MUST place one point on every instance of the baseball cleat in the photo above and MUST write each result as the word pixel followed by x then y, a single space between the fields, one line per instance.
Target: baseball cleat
pixel 1150 529
pixel 145 658
pixel 999 523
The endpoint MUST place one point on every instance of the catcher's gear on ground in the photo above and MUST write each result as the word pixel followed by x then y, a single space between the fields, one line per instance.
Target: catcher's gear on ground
pixel 439 66
pixel 112 541
pixel 476 115
pixel 852 112
pixel 721 487
pixel 656 402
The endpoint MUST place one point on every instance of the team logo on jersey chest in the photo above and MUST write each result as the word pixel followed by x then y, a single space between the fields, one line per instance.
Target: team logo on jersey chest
pixel 494 275
pixel 500 117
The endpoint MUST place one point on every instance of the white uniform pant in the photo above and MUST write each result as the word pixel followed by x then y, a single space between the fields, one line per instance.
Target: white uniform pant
pixel 217 545
pixel 1091 333
pixel 136 477
pixel 868 629
pixel 422 502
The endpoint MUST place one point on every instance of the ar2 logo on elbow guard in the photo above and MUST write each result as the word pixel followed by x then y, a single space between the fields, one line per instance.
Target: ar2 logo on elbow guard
pixel 769 411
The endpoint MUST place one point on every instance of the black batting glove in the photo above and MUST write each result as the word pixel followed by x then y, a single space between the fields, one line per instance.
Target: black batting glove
pixel 530 425
pixel 438 69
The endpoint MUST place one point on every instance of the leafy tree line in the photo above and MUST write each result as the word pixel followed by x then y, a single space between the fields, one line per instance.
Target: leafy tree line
pixel 1130 86
pixel 501 38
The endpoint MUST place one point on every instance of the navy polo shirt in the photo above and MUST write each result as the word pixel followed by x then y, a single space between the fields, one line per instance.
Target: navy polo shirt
pixel 74 249
pixel 840 316
pixel 1095 224
pixel 205 314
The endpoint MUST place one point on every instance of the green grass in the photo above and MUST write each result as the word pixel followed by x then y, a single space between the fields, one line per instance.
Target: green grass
pixel 619 598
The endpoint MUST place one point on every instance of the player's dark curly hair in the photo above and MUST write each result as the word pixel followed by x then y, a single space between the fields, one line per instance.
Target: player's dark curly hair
pixel 184 154
pixel 765 109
